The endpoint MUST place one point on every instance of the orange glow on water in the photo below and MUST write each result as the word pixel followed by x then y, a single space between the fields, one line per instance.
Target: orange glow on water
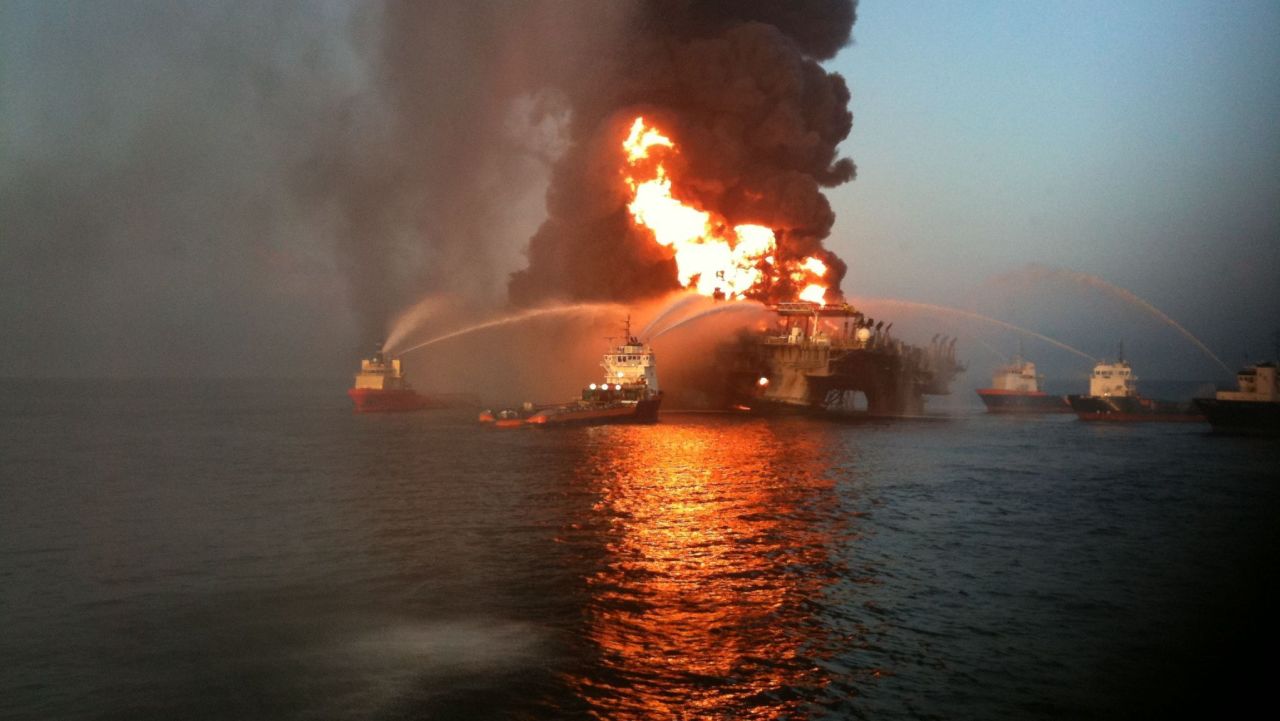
pixel 705 573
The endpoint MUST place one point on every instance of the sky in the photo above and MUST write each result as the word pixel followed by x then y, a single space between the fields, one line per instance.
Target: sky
pixel 179 184
pixel 1134 141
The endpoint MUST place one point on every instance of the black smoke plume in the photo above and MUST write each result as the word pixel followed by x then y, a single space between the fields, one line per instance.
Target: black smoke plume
pixel 233 187
pixel 739 88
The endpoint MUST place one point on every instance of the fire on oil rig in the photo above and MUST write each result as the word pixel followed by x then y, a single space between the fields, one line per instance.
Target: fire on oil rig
pixel 822 357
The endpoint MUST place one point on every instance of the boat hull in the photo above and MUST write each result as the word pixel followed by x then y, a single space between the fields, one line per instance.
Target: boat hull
pixel 644 411
pixel 1002 401
pixel 376 400
pixel 1132 409
pixel 1257 418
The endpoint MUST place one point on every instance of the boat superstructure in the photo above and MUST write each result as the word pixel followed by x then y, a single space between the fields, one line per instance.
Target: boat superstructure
pixel 381 386
pixel 1113 380
pixel 1253 408
pixel 630 367
pixel 1113 396
pixel 1015 388
pixel 628 393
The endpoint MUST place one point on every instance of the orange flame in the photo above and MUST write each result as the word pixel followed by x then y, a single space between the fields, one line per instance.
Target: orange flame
pixel 711 257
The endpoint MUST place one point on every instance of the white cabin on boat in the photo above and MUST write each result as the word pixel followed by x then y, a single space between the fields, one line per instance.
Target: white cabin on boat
pixel 1018 376
pixel 1112 380
pixel 1257 383
pixel 631 363
pixel 380 373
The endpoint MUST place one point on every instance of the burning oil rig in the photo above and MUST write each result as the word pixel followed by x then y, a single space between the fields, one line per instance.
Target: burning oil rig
pixel 821 357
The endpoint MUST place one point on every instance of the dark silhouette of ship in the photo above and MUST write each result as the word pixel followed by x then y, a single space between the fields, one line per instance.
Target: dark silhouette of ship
pixel 1252 409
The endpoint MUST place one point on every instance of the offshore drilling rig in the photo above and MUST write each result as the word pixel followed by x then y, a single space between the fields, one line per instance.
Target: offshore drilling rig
pixel 823 357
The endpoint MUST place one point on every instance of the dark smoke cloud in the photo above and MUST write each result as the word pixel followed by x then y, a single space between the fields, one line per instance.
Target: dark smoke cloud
pixel 232 187
pixel 757 119
pixel 475 120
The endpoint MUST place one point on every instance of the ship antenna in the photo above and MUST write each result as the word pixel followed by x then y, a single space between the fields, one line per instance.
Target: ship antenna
pixel 1121 358
pixel 626 327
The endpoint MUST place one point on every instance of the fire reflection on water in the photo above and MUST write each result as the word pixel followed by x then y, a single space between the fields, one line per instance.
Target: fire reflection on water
pixel 719 544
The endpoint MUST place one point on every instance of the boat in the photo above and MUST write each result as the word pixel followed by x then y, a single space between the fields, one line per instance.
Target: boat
pixel 382 387
pixel 1015 388
pixel 1113 396
pixel 1252 409
pixel 629 393
pixel 505 418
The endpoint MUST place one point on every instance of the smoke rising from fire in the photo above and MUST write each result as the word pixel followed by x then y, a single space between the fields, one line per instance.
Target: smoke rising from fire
pixel 213 187
pixel 223 187
pixel 739 88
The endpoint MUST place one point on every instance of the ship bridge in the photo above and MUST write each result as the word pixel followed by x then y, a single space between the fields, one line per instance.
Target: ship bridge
pixel 380 373
pixel 631 363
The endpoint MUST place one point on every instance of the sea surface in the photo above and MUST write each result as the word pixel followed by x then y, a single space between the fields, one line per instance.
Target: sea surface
pixel 254 550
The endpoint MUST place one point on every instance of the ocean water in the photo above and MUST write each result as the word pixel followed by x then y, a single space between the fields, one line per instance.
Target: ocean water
pixel 245 550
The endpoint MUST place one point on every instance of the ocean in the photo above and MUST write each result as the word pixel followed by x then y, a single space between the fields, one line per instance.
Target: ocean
pixel 254 550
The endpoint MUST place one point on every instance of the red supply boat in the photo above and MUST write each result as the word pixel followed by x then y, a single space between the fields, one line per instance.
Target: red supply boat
pixel 381 387
pixel 629 394
pixel 1015 388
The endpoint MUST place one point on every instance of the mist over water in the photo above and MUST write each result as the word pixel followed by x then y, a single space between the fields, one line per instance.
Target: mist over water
pixel 412 319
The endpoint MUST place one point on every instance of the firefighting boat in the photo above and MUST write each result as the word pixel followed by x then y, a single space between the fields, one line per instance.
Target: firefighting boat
pixel 381 387
pixel 1113 396
pixel 629 393
pixel 1015 388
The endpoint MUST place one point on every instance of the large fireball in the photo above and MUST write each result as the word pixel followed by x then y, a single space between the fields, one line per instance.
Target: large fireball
pixel 712 257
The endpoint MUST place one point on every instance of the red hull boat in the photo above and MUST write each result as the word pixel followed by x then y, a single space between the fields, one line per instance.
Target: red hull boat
pixel 382 387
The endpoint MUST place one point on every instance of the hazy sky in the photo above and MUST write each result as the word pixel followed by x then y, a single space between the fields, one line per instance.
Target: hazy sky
pixel 164 211
pixel 1137 141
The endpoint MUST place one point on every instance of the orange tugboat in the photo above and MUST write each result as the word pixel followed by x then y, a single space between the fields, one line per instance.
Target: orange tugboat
pixel 381 387
pixel 629 394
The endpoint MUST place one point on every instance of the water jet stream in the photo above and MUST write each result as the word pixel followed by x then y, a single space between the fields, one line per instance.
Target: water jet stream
pixel 1036 272
pixel 518 317
pixel 978 317
pixel 993 350
pixel 410 319
pixel 735 306
pixel 679 305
